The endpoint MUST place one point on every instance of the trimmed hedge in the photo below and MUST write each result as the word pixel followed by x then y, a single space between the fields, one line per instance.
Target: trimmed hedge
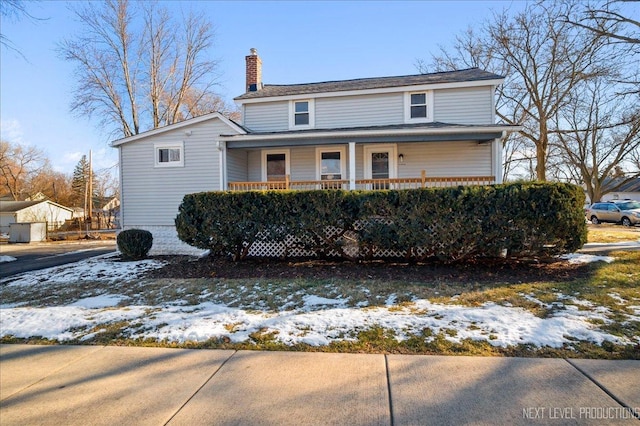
pixel 134 244
pixel 466 222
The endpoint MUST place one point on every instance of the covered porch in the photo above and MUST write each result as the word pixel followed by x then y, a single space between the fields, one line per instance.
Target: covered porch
pixel 387 157
pixel 367 184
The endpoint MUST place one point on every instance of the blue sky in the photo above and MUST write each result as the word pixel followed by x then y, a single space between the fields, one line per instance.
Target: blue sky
pixel 297 41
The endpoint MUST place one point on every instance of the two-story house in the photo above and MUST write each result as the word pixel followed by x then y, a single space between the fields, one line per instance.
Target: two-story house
pixel 371 133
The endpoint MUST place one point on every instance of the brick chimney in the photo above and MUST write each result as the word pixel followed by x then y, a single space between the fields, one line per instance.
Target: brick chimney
pixel 254 71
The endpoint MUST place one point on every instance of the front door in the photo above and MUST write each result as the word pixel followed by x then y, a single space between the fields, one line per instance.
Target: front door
pixel 380 164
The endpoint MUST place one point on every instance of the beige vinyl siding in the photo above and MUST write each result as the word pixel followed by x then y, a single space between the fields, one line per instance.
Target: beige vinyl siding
pixel 445 159
pixel 463 106
pixel 151 195
pixel 357 111
pixel 472 105
pixel 254 171
pixel 267 117
pixel 237 165
pixel 436 158
pixel 303 163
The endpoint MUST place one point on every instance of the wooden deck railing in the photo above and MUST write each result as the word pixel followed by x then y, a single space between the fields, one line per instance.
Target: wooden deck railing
pixel 398 183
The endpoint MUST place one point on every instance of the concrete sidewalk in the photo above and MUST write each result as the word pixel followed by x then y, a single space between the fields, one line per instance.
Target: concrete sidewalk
pixel 82 385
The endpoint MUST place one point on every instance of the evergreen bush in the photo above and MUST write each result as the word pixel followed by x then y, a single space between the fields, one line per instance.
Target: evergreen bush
pixel 450 224
pixel 134 244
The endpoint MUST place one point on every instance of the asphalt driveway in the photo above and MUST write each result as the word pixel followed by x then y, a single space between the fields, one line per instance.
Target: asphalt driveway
pixel 31 257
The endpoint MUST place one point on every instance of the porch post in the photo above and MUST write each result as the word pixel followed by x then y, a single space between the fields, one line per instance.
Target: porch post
pixel 497 159
pixel 222 148
pixel 352 166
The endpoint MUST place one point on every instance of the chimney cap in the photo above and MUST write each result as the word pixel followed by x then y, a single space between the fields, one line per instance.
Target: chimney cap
pixel 253 51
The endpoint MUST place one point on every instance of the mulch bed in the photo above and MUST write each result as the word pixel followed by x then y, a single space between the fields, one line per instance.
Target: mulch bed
pixel 473 272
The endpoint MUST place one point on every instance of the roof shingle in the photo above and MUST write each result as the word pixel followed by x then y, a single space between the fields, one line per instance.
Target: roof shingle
pixel 271 90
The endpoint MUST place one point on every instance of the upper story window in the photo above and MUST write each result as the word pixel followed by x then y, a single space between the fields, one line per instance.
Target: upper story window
pixel 418 107
pixel 301 114
pixel 169 155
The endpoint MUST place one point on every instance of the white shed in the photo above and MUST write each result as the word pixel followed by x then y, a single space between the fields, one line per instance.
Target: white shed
pixel 27 232
pixel 33 211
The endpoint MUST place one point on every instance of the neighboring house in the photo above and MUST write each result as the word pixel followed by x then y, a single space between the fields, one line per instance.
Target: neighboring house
pixel 111 213
pixel 112 204
pixel 33 211
pixel 78 212
pixel 371 133
pixel 36 197
pixel 628 191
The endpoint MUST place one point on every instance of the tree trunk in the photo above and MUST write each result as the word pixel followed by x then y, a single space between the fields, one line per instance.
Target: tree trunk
pixel 542 146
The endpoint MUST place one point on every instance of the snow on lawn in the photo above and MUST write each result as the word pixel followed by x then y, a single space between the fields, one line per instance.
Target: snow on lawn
pixel 107 267
pixel 318 321
pixel 499 325
pixel 576 258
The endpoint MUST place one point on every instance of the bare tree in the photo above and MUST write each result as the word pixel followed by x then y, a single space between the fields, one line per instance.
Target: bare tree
pixel 543 59
pixel 26 171
pixel 14 11
pixel 53 185
pixel 603 134
pixel 136 63
pixel 17 165
pixel 605 20
pixel 612 20
pixel 199 103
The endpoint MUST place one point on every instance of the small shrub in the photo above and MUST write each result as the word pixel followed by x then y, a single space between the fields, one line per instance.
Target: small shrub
pixel 134 244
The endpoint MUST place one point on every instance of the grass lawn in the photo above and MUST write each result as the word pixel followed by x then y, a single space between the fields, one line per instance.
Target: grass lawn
pixel 591 311
pixel 606 233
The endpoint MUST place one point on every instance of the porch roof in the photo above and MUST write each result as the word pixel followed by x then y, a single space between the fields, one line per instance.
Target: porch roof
pixel 417 132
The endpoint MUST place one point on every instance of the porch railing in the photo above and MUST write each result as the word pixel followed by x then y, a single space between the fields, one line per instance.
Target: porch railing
pixel 397 183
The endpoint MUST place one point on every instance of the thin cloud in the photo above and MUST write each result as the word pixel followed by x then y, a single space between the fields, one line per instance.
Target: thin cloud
pixel 11 130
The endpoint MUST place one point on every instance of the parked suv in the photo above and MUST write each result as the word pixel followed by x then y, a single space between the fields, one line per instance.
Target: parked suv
pixel 625 212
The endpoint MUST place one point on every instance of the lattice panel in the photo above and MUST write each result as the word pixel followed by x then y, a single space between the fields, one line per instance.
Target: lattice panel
pixel 291 247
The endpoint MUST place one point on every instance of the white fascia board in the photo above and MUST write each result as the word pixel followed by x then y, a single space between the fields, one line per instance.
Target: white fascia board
pixel 60 206
pixel 396 89
pixel 364 133
pixel 180 125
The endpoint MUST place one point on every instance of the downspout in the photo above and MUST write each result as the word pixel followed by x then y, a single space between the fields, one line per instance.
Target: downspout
pixel 121 188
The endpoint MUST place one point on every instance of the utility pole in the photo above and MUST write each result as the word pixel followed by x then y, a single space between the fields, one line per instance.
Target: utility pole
pixel 88 199
pixel 90 188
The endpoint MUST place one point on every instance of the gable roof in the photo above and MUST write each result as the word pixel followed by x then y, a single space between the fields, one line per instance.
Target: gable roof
pixel 16 206
pixel 272 90
pixel 632 185
pixel 237 127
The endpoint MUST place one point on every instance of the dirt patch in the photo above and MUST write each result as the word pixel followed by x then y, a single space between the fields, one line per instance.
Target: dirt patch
pixel 81 236
pixel 477 272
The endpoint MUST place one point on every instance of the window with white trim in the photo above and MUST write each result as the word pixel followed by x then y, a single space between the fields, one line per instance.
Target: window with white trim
pixel 331 164
pixel 275 165
pixel 301 114
pixel 169 155
pixel 418 106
